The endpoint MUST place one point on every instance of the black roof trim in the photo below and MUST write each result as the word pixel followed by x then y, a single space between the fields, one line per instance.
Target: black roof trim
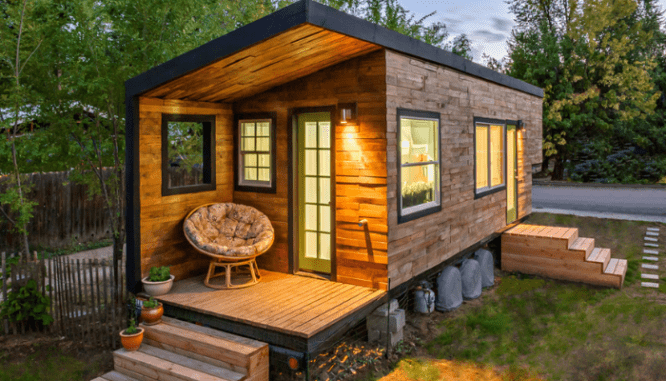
pixel 308 11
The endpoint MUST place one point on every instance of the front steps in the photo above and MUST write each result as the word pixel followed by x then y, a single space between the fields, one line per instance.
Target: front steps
pixel 181 351
pixel 559 253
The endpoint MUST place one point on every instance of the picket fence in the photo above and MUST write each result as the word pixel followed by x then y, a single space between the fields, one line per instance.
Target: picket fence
pixel 86 304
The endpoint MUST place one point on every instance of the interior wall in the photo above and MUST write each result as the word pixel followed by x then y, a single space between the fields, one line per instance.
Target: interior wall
pixel 162 240
pixel 360 164
pixel 423 243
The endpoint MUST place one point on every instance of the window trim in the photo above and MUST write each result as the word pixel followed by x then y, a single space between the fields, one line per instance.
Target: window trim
pixel 418 211
pixel 256 187
pixel 497 188
pixel 209 183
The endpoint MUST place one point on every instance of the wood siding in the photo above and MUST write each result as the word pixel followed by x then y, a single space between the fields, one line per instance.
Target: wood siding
pixel 423 243
pixel 162 240
pixel 360 165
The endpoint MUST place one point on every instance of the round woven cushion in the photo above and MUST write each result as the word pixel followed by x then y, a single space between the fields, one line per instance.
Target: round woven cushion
pixel 229 229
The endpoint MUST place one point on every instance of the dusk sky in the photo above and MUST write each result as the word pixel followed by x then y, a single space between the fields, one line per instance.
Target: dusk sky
pixel 487 23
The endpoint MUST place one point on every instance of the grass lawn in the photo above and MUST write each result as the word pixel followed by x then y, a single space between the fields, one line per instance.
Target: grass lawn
pixel 527 327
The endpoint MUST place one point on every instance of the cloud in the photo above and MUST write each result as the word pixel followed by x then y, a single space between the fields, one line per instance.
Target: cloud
pixel 488 36
pixel 502 24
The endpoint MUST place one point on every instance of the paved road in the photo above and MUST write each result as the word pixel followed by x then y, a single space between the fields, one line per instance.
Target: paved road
pixel 645 204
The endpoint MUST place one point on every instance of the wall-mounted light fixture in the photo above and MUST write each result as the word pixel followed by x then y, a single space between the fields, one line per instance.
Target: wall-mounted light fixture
pixel 347 113
pixel 521 125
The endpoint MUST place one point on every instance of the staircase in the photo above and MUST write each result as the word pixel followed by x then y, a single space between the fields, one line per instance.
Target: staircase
pixel 559 253
pixel 181 351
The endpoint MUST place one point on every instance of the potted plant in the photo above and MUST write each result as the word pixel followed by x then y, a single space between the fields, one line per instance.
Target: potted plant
pixel 131 337
pixel 151 312
pixel 158 282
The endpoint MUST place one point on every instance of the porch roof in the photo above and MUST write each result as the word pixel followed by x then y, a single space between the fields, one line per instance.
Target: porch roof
pixel 291 43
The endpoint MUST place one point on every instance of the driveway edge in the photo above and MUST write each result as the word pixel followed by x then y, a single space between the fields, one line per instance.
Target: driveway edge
pixel 549 183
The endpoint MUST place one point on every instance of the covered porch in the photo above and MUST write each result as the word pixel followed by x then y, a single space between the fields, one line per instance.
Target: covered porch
pixel 299 313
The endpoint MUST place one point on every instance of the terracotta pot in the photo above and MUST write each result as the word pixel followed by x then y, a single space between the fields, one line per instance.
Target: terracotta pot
pixel 157 288
pixel 131 342
pixel 152 316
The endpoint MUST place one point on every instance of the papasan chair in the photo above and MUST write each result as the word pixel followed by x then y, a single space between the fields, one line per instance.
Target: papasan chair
pixel 232 235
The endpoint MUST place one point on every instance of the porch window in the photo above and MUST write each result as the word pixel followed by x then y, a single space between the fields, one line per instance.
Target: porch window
pixel 187 150
pixel 489 137
pixel 419 164
pixel 256 153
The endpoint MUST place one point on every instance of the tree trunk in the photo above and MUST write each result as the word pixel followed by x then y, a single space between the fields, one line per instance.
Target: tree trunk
pixel 558 170
pixel 544 164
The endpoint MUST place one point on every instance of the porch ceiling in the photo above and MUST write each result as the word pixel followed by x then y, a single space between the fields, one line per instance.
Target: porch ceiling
pixel 295 53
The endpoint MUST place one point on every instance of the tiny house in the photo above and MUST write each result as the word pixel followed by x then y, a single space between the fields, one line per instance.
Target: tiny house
pixel 375 156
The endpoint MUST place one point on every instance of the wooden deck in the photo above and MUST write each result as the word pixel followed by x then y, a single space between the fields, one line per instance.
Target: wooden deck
pixel 279 308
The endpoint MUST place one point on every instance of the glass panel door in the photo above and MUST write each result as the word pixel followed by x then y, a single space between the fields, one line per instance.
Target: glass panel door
pixel 314 195
pixel 512 175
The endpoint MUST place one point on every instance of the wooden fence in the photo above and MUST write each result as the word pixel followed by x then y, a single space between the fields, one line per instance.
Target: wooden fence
pixel 86 304
pixel 64 213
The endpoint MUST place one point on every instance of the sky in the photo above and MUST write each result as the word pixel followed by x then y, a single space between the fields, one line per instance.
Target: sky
pixel 487 23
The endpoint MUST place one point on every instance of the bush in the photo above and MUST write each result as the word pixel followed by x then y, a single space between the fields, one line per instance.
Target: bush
pixel 27 304
pixel 627 166
pixel 159 274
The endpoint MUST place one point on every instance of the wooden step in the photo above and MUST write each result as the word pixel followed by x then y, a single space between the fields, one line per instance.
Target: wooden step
pixel 620 270
pixel 150 363
pixel 541 237
pixel 242 355
pixel 602 257
pixel 585 245
pixel 115 376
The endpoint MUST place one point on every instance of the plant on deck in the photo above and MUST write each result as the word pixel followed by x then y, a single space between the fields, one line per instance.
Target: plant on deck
pixel 159 274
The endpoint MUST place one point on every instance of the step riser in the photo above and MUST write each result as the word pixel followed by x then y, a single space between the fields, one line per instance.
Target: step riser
pixel 196 356
pixel 214 353
pixel 539 242
pixel 543 252
pixel 549 263
pixel 599 279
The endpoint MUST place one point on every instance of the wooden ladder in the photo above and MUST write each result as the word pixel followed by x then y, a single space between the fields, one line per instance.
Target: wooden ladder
pixel 559 253
pixel 177 350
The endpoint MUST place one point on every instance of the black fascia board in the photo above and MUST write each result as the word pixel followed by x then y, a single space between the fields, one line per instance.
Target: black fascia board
pixel 308 11
pixel 332 19
pixel 232 42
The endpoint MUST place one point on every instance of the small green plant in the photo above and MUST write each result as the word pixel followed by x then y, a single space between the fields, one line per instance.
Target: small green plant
pixel 132 328
pixel 150 303
pixel 27 304
pixel 159 274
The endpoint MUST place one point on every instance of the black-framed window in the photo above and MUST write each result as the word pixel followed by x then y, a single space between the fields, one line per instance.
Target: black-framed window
pixel 489 156
pixel 255 152
pixel 419 137
pixel 188 144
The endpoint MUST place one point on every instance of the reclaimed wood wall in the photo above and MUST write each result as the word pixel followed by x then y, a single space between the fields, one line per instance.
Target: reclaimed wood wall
pixel 418 245
pixel 360 162
pixel 162 240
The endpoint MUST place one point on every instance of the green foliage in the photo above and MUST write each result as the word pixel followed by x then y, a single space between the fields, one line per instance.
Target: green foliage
pixel 27 304
pixel 416 193
pixel 132 328
pixel 595 61
pixel 512 286
pixel 186 144
pixel 150 303
pixel 20 208
pixel 159 274
pixel 417 369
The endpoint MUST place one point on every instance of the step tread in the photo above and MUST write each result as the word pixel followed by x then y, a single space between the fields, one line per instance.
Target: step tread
pixel 610 268
pixel 582 243
pixel 177 365
pixel 117 376
pixel 256 344
pixel 593 255
pixel 191 335
pixel 602 257
pixel 621 268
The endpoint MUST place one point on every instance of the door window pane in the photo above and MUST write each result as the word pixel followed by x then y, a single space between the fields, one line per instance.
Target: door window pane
pixel 481 156
pixel 325 246
pixel 497 155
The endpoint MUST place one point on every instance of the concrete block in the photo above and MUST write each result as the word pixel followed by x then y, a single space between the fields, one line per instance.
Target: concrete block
pixel 374 335
pixel 652 234
pixel 649 276
pixel 649 244
pixel 396 321
pixel 650 284
pixel 653 259
pixel 653 229
pixel 649 267
pixel 648 251
pixel 394 338
pixel 651 239
pixel 381 311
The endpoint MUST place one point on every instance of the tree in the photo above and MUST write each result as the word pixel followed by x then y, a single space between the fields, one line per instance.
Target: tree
pixel 22 35
pixel 584 55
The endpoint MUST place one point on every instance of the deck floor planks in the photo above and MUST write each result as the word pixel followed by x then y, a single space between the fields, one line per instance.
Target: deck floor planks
pixel 286 303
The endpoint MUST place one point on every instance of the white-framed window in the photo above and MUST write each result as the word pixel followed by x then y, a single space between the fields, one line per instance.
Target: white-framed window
pixel 490 155
pixel 419 164
pixel 256 156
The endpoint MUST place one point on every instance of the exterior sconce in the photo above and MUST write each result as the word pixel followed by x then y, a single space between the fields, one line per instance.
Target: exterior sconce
pixel 521 125
pixel 347 113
